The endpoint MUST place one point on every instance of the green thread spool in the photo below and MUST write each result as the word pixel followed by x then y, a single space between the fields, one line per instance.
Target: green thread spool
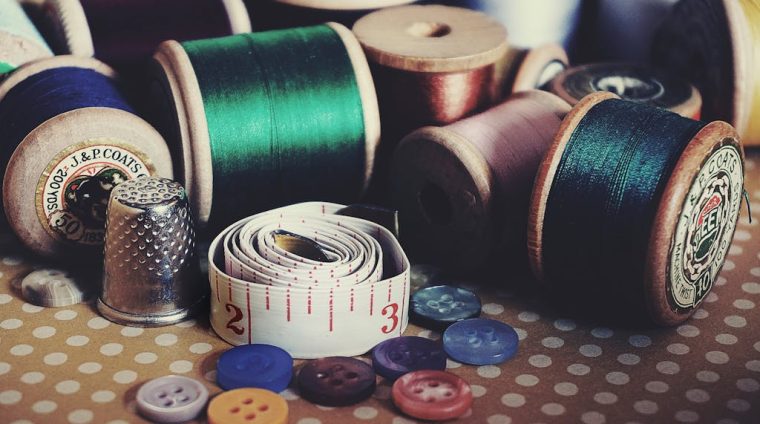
pixel 266 119
pixel 634 209
pixel 20 41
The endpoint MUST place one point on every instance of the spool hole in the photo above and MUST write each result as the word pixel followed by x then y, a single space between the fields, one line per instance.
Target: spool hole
pixel 435 204
pixel 429 29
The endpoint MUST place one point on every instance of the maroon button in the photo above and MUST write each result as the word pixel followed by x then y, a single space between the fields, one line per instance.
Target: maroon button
pixel 432 395
pixel 336 381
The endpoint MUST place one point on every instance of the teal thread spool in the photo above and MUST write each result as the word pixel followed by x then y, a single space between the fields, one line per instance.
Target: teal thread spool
pixel 634 209
pixel 266 119
pixel 20 41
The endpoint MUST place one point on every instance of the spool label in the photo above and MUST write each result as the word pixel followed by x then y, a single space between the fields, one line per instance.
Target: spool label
pixel 73 192
pixel 706 227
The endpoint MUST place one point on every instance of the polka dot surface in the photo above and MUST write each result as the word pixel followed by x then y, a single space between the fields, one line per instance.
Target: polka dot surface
pixel 71 365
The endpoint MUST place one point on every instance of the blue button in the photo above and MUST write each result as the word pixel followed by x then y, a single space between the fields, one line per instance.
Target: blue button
pixel 400 355
pixel 480 341
pixel 255 365
pixel 437 307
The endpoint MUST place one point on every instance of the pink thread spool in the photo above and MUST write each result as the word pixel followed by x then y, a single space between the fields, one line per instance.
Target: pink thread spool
pixel 463 190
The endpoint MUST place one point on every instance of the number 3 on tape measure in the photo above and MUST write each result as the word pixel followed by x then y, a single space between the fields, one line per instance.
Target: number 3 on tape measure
pixel 237 317
pixel 393 316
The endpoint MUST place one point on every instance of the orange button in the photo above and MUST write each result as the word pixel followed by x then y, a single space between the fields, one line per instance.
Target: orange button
pixel 248 406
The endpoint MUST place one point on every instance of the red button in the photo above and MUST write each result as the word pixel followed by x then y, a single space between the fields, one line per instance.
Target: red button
pixel 432 395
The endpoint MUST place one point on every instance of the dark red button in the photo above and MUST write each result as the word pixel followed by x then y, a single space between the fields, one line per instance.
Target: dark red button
pixel 336 381
pixel 432 395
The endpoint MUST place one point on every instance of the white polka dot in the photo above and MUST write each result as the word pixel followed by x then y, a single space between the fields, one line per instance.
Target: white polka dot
pixel 309 421
pixel 186 324
pixel 726 339
pixel 753 365
pixel 602 333
pixel 553 409
pixel 688 331
pixel 5 298
pixel 478 390
pixel 32 377
pixel 499 419
pixel 755 271
pixel 10 397
pixel 132 331
pixel 729 265
pixel 146 358
pixel 728 420
pixel 744 304
pixel 738 405
pixel 657 386
pixel 735 321
pixel 125 376
pixel 578 369
pixel 210 376
pixel 590 350
pixel 55 358
pixel 452 364
pixel 565 325
pixel 528 316
pixel 697 395
pixel 98 323
pixel 668 367
pixel 700 314
pixel 426 334
pixel 526 380
pixel 605 398
pixel 166 339
pixel 181 367
pixel 31 309
pixel 593 417
pixel 645 407
pixel 200 348
pixel 399 420
pixel 111 349
pixel 44 332
pixel 513 400
pixel 716 357
pixel 540 361
pixel 628 359
pixel 11 324
pixel 757 346
pixel 67 387
pixel 617 378
pixel 552 342
pixel 747 385
pixel 365 412
pixel 4 368
pixel 103 396
pixel 21 350
pixel 751 288
pixel 708 376
pixel 678 349
pixel 735 250
pixel 640 340
pixel 521 334
pixel 492 309
pixel 711 297
pixel 81 416
pixel 90 368
pixel 687 416
pixel 44 407
pixel 489 371
pixel 289 394
pixel 65 315
pixel 566 389
pixel 77 340
pixel 742 235
pixel 12 260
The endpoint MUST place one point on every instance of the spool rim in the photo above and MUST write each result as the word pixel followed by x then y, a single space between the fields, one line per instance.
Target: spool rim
pixel 545 179
pixel 671 203
pixel 70 23
pixel 368 95
pixel 536 61
pixel 345 4
pixel 237 13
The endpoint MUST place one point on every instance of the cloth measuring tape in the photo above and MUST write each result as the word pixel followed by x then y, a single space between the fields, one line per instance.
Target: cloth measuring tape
pixel 341 306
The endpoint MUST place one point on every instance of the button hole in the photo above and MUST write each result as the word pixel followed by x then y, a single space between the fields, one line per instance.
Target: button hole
pixel 168 403
pixel 429 400
pixel 178 390
pixel 263 408
pixel 418 390
pixel 351 375
pixel 234 410
pixel 336 382
pixel 321 375
pixel 247 401
pixel 162 395
pixel 434 384
pixel 448 394
pixel 250 417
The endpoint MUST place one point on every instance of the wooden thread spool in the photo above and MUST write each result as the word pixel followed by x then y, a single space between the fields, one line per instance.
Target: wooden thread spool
pixel 624 29
pixel 636 83
pixel 20 42
pixel 695 208
pixel 275 14
pixel 462 190
pixel 99 146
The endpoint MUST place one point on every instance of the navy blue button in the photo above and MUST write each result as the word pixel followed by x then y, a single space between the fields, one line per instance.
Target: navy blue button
pixel 480 341
pixel 437 307
pixel 400 355
pixel 255 365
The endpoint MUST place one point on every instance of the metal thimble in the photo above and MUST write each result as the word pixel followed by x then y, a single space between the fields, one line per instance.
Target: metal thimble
pixel 150 275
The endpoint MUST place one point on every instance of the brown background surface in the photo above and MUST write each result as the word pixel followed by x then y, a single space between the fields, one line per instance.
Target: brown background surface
pixel 70 365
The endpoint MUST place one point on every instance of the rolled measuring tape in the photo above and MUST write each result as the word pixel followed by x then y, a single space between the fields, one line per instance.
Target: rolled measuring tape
pixel 463 190
pixel 273 111
pixel 311 282
pixel 20 41
pixel 633 242
pixel 624 30
pixel 106 28
pixel 713 43
pixel 636 83
pixel 275 14
pixel 69 136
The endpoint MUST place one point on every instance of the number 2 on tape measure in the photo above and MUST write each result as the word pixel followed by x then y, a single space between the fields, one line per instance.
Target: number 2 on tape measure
pixel 392 315
pixel 237 317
